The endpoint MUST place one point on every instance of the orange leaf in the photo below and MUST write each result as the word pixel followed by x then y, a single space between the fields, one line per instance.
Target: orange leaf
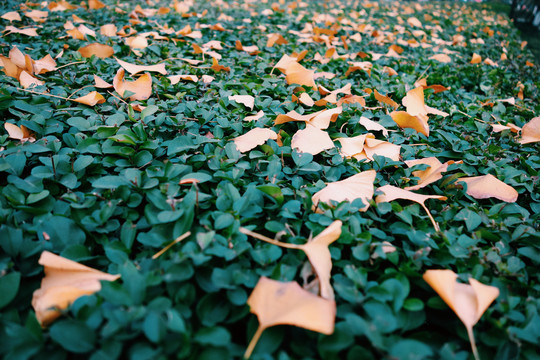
pixel 137 42
pixel 414 22
pixel 64 282
pixel 19 133
pixel 487 186
pixel 275 39
pixel 469 302
pixel 257 116
pixel 359 186
pixel 99 50
pixel 28 80
pixel 404 120
pixel 311 140
pixel 414 102
pixel 44 65
pixel 91 99
pixel 286 303
pixel 372 125
pixel 216 67
pixel 391 193
pixel 10 68
pixel 76 34
pixel 431 174
pixel 11 16
pixel 442 58
pixel 142 87
pixel 476 59
pixel 135 69
pixel 175 79
pixel 247 100
pixel 253 138
pixel 385 99
pixel 531 131
pixel 95 4
pixel 100 83
pixel 297 74
pixel 363 147
pixel 108 30
pixel 28 31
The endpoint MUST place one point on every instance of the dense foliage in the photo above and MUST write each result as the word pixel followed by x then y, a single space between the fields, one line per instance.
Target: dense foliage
pixel 102 186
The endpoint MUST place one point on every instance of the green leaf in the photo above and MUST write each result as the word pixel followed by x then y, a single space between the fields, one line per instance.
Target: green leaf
pixel 9 286
pixel 74 336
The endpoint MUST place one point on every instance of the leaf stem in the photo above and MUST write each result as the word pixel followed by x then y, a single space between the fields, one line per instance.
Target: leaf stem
pixel 177 240
pixel 45 94
pixel 435 225
pixel 243 230
pixel 73 63
pixel 253 342
pixel 473 342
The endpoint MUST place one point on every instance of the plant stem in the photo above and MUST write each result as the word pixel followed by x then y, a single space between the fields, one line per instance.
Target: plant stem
pixel 243 230
pixel 253 342
pixel 435 225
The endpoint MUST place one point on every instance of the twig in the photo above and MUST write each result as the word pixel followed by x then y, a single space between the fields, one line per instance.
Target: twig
pixel 243 230
pixel 45 94
pixel 73 63
pixel 177 240
pixel 122 100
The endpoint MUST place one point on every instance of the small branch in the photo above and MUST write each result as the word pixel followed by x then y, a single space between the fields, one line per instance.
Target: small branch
pixel 45 94
pixel 76 91
pixel 73 63
pixel 243 230
pixel 122 100
pixel 435 225
pixel 177 240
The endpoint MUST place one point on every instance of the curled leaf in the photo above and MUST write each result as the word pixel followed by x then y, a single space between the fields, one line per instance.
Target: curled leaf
pixel 429 175
pixel 19 133
pixel 311 140
pixel 175 79
pixel 141 88
pixel 405 120
pixel 100 83
pixel 531 131
pixel 247 100
pixel 297 74
pixel 135 69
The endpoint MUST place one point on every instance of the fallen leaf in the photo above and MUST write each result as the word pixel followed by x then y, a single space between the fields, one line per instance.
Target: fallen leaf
pixel 304 99
pixel 247 100
pixel 99 50
pixel 217 67
pixel 391 193
pixel 442 58
pixel 253 138
pixel 141 88
pixel 257 116
pixel 91 99
pixel 44 65
pixel 372 125
pixel 19 133
pixel 359 186
pixel 294 116
pixel 95 4
pixel 37 15
pixel 487 186
pixel 175 79
pixel 476 59
pixel 13 30
pixel 207 79
pixel 76 34
pixel 469 302
pixel 363 147
pixel 414 22
pixel 64 282
pixel 100 83
pixel 135 69
pixel 414 102
pixel 405 120
pixel 9 67
pixel 322 119
pixel 351 99
pixel 284 62
pixel 108 30
pixel 429 175
pixel 297 74
pixel 274 39
pixel 137 42
pixel 11 16
pixel 530 132
pixel 28 80
pixel 286 303
pixel 311 140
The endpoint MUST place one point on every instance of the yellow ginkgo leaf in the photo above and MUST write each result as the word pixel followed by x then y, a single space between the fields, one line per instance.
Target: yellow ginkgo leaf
pixel 28 80
pixel 11 16
pixel 28 31
pixel 414 102
pixel 487 186
pixel 311 140
pixel 100 83
pixel 429 175
pixel 297 74
pixel 359 186
pixel 91 99
pixel 135 69
pixel 286 303
pixel 100 50
pixel 530 132
pixel 247 100
pixel 363 147
pixel 65 281
pixel 141 88
pixel 323 119
pixel 175 79
pixel 391 193
pixel 294 116
pixel 469 302
pixel 19 133
pixel 44 65
pixel 274 39
pixel 372 125
pixel 476 59
pixel 405 120
pixel 257 116
pixel 108 30
pixel 253 138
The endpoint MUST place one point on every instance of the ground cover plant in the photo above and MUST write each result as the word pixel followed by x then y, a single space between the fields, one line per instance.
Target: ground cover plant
pixel 279 180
